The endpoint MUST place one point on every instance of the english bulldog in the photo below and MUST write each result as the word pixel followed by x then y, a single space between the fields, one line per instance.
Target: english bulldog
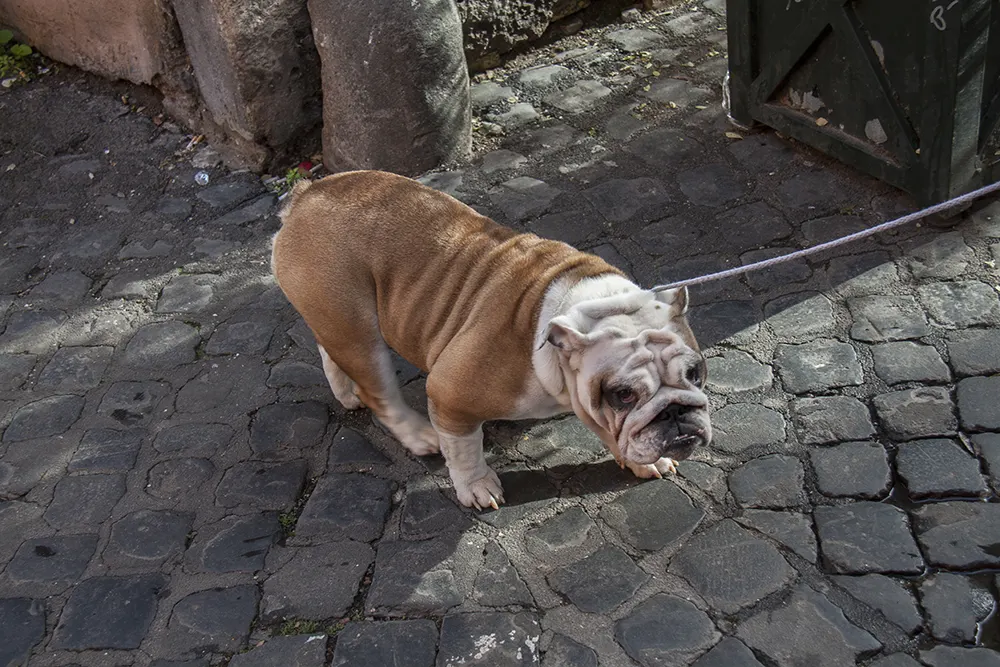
pixel 506 326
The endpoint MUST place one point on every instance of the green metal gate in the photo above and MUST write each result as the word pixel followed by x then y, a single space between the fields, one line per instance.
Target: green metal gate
pixel 906 90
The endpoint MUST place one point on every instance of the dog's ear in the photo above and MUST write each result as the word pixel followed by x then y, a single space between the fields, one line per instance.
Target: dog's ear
pixel 677 299
pixel 563 333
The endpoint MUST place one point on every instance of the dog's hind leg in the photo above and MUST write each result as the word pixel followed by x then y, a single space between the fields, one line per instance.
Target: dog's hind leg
pixel 373 379
pixel 344 388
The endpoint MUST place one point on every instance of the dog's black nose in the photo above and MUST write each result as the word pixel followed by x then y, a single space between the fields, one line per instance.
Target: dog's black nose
pixel 672 412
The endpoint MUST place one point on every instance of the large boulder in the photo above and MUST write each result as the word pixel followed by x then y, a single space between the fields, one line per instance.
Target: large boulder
pixel 258 75
pixel 395 84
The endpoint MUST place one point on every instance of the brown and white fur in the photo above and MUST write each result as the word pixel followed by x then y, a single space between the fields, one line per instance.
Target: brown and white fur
pixel 507 326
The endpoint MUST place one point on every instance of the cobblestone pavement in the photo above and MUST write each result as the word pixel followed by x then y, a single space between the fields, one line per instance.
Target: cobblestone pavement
pixel 178 486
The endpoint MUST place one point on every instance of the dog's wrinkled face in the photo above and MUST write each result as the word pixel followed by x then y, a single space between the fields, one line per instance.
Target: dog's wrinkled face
pixel 637 375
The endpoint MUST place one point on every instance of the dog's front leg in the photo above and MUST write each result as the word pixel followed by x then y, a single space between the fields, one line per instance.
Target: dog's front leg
pixel 475 482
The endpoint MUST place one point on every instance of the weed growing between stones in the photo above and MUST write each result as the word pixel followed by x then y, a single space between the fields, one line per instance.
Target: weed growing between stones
pixel 298 626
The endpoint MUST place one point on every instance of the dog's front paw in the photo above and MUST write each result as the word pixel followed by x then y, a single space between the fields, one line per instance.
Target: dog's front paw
pixel 479 493
pixel 654 470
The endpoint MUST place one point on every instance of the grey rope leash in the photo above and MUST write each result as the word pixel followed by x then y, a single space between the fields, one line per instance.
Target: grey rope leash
pixel 763 264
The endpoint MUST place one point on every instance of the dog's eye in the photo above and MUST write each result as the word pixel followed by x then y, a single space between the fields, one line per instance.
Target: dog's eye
pixel 620 399
pixel 695 376
pixel 625 396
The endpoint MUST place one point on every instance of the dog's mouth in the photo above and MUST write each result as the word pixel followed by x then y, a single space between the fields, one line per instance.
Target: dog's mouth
pixel 684 445
pixel 678 442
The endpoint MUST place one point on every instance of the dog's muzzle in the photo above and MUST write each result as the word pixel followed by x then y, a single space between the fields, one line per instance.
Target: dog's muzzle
pixel 679 431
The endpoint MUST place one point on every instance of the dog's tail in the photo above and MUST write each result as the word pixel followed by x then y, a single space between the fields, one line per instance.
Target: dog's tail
pixel 293 195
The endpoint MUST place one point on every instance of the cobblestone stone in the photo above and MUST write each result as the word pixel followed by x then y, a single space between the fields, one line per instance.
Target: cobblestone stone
pixel 514 644
pixel 791 529
pixel 162 345
pixel 712 185
pixel 15 369
pixel 600 582
pixel 75 368
pixel 282 427
pixel 636 39
pixel 44 417
pixel 298 651
pixel 954 656
pixel 213 620
pixel 867 537
pixel 66 288
pixel 147 538
pixel 916 413
pixel 193 439
pixel 818 366
pixel 23 621
pixel 498 583
pixel 786 273
pixel 800 316
pixel 619 200
pixel 678 91
pixel 937 468
pixel 853 469
pixel 314 582
pixel 262 485
pixel 905 361
pixel 523 197
pixel 772 482
pixel 730 568
pixel 889 596
pixel 636 514
pixel 177 479
pixel 807 629
pixel 233 544
pixel 373 644
pixel 580 97
pixel 976 404
pixel 246 334
pixel 830 419
pixel 107 450
pixel 954 608
pixel 665 630
pixel 59 559
pixel 414 578
pixel 533 490
pixel 333 510
pixel 85 500
pixel 133 403
pixel 884 318
pixel 741 426
pixel 109 613
pixel 959 535
pixel 987 445
pixel 974 352
pixel 187 294
pixel 564 652
pixel 564 535
pixel 961 304
pixel 728 653
pixel 734 372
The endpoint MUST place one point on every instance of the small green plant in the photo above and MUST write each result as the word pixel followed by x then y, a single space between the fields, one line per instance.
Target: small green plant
pixel 297 626
pixel 281 185
pixel 287 521
pixel 14 61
